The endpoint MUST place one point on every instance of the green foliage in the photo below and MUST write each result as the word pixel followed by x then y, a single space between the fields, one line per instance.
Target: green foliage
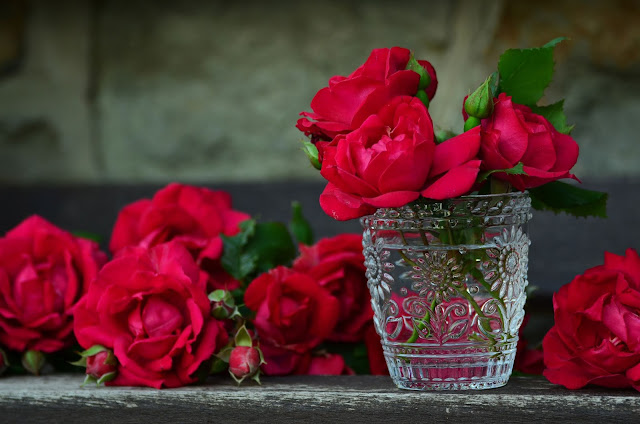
pixel 88 235
pixel 235 259
pixel 311 151
pixel 299 226
pixel 562 197
pixel 258 247
pixel 526 73
pixel 555 115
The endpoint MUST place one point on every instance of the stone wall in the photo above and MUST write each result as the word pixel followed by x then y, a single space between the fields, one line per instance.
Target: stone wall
pixel 151 91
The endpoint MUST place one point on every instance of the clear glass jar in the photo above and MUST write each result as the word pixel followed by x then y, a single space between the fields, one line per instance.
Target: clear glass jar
pixel 447 281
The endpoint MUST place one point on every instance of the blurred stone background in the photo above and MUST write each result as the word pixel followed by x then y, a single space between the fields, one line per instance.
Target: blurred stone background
pixel 136 91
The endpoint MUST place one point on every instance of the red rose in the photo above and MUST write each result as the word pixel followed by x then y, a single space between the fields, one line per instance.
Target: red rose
pixel 293 315
pixel 44 271
pixel 528 361
pixel 328 364
pixel 348 101
pixel 194 216
pixel 244 362
pixel 150 306
pixel 596 336
pixel 337 264
pixel 392 159
pixel 101 364
pixel 514 134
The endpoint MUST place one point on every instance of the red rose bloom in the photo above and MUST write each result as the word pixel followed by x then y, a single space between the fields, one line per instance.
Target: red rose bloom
pixel 528 361
pixel 348 101
pixel 150 307
pixel 392 159
pixel 100 364
pixel 194 216
pixel 337 264
pixel 328 364
pixel 44 271
pixel 293 315
pixel 596 336
pixel 513 134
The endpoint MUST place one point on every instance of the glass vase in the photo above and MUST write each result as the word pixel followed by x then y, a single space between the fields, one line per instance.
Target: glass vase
pixel 447 281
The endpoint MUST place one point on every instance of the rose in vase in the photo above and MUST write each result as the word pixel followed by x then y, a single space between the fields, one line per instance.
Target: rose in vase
pixel 392 159
pixel 348 101
pixel 514 134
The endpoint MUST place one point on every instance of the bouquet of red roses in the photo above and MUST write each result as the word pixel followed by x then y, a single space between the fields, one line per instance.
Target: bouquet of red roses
pixel 373 140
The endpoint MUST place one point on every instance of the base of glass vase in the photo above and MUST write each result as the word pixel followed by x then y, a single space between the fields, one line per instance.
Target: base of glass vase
pixel 458 367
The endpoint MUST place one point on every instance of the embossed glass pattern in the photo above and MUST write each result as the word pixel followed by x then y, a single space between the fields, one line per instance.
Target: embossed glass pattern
pixel 447 282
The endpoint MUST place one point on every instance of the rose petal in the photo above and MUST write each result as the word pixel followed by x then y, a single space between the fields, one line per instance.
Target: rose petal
pixel 455 182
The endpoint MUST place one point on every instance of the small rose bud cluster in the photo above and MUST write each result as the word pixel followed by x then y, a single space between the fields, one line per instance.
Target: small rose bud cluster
pixel 243 357
pixel 100 363
pixel 223 306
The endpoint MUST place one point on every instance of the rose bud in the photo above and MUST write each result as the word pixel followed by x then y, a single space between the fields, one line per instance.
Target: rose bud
pixel 102 366
pixel 222 304
pixel 33 361
pixel 479 104
pixel 244 362
pixel 4 363
pixel 244 359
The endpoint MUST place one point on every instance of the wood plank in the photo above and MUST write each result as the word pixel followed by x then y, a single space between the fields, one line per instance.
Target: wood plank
pixel 301 399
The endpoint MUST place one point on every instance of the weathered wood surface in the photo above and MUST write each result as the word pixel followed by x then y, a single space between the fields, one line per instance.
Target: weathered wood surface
pixel 301 399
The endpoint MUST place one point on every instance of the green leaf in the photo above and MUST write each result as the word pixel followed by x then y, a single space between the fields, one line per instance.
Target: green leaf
pixel 89 236
pixel 414 65
pixel 93 350
pixel 526 73
pixel 555 42
pixel 221 295
pixel 494 81
pixel 271 246
pixel 218 365
pixel 516 170
pixel 235 260
pixel 106 377
pixel 258 247
pixel 243 338
pixel 311 151
pixel 562 197
pixel 88 379
pixel 555 115
pixel 224 354
pixel 299 225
